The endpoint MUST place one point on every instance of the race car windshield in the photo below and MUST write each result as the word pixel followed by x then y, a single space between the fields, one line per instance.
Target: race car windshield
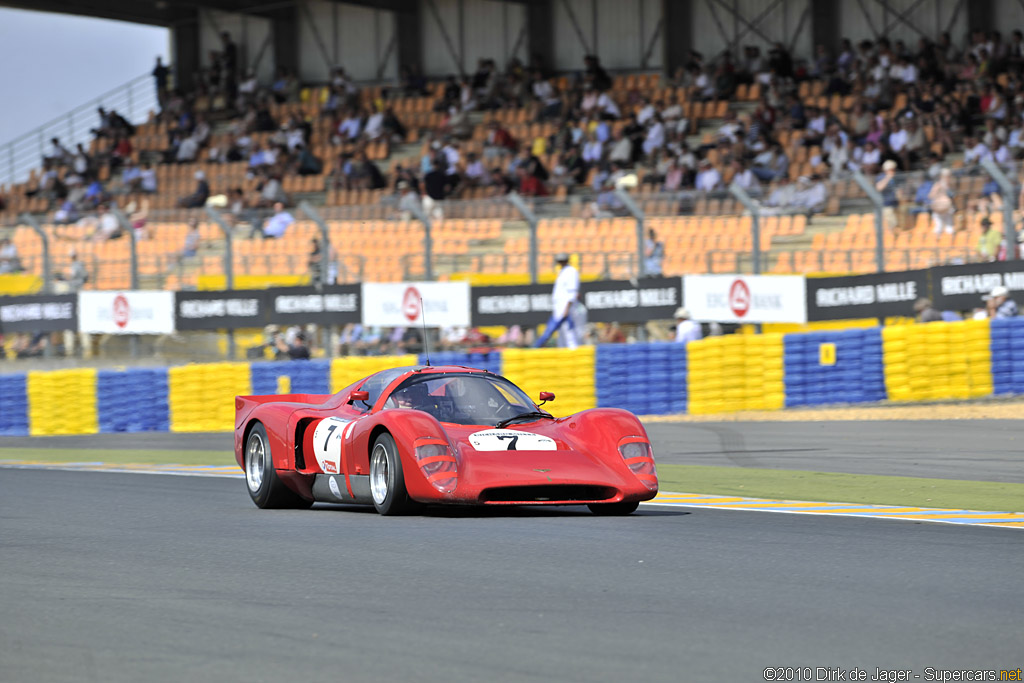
pixel 469 399
pixel 376 383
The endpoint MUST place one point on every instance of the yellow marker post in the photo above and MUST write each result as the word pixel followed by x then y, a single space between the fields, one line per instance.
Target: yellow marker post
pixel 827 353
pixel 284 384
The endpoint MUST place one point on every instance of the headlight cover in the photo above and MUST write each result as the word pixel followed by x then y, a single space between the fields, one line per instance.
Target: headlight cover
pixel 437 463
pixel 640 459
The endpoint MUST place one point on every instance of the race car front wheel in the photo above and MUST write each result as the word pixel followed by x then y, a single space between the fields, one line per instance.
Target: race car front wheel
pixel 608 509
pixel 387 481
pixel 265 488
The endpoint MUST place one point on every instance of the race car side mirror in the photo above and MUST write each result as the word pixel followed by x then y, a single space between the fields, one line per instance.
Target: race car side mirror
pixel 359 396
pixel 546 396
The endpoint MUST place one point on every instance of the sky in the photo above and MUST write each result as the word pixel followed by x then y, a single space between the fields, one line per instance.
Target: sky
pixel 54 62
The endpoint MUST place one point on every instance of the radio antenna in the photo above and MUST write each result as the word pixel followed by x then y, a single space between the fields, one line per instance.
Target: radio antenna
pixel 426 341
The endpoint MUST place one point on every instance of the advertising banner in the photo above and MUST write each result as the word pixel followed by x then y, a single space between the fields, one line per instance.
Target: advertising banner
pixel 960 288
pixel 404 304
pixel 38 313
pixel 625 301
pixel 126 312
pixel 632 301
pixel 878 295
pixel 525 305
pixel 746 298
pixel 334 305
pixel 219 310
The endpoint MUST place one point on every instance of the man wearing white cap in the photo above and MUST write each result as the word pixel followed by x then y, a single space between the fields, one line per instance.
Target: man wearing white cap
pixel 197 199
pixel 686 330
pixel 887 185
pixel 1000 305
pixel 563 296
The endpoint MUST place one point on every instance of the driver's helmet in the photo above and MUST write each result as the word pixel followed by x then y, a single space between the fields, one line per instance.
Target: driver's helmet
pixel 415 396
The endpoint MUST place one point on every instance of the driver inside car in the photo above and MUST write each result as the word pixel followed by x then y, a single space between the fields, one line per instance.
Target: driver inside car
pixel 415 396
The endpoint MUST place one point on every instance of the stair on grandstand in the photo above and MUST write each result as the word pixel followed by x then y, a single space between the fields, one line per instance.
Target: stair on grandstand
pixel 475 260
pixel 820 224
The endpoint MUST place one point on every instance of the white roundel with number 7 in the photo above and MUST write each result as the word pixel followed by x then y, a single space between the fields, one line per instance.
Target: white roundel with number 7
pixel 327 439
pixel 510 440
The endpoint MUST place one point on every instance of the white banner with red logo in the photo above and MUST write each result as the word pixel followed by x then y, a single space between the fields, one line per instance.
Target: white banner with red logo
pixel 127 312
pixel 746 298
pixel 406 304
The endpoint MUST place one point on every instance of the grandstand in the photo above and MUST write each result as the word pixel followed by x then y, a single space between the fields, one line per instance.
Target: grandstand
pixel 766 94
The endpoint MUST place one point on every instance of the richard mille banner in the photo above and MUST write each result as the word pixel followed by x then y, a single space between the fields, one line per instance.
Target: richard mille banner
pixel 632 301
pixel 219 310
pixel 38 313
pixel 878 295
pixel 960 288
pixel 333 305
pixel 525 305
pixel 626 301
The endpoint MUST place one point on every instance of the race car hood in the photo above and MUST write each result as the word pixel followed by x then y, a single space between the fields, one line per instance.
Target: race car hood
pixel 545 453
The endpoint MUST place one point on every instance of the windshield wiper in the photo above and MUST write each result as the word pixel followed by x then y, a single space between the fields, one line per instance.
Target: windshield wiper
pixel 532 413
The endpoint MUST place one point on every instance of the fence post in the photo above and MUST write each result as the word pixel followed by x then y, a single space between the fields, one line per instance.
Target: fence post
pixel 1007 189
pixel 229 265
pixel 531 219
pixel 129 231
pixel 755 223
pixel 325 239
pixel 325 261
pixel 876 199
pixel 47 267
pixel 636 212
pixel 428 242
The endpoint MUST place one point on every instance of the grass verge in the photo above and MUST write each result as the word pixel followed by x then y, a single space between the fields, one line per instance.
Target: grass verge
pixel 731 481
pixel 843 488
pixel 119 456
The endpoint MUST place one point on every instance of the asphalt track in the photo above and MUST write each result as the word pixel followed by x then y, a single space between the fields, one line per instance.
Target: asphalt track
pixel 976 450
pixel 980 450
pixel 131 577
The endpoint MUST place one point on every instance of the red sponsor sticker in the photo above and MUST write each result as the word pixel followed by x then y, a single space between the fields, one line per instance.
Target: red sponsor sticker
pixel 411 304
pixel 122 311
pixel 330 467
pixel 739 298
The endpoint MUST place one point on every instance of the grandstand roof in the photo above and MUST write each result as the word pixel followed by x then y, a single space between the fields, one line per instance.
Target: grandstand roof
pixel 170 12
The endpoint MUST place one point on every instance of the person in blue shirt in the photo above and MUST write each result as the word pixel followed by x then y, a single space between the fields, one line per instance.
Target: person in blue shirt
pixel 276 225
pixel 654 252
pixel 1000 305
pixel 887 185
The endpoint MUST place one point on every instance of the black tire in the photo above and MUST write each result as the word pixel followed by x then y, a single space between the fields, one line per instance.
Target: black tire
pixel 614 509
pixel 265 488
pixel 387 481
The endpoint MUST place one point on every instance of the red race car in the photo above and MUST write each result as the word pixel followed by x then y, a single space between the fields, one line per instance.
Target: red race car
pixel 439 435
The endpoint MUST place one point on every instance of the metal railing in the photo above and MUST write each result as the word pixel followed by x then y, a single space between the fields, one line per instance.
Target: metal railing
pixel 606 265
pixel 350 267
pixel 132 100
pixel 836 260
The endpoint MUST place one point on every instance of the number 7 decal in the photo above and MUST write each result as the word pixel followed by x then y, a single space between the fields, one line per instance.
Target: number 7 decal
pixel 512 443
pixel 330 430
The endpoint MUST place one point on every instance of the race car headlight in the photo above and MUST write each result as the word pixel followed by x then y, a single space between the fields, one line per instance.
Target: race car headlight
pixel 437 464
pixel 640 460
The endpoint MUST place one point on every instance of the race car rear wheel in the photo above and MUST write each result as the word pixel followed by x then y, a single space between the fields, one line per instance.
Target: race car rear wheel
pixel 609 509
pixel 387 481
pixel 265 488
